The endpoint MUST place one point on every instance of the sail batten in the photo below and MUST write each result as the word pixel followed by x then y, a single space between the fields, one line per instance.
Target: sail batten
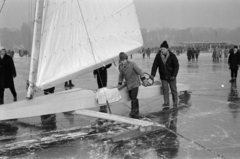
pixel 75 42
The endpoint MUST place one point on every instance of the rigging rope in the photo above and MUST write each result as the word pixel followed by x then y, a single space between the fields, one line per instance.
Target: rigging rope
pixel 92 51
pixel 2 5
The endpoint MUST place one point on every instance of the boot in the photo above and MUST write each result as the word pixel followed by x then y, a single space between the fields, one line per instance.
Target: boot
pixel 135 109
pixel 103 109
pixel 1 101
pixel 66 85
pixel 232 80
pixel 15 99
pixel 70 84
pixel 165 105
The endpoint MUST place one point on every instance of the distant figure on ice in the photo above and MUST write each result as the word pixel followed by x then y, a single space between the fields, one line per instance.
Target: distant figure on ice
pixel 234 62
pixel 226 51
pixel 193 54
pixel 189 54
pixel 7 73
pixel 216 54
pixel 167 64
pixel 143 53
pixel 101 75
pixel 148 51
pixel 197 53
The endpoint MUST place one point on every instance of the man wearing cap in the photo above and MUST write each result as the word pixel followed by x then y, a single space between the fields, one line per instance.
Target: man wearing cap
pixel 131 72
pixel 7 73
pixel 167 64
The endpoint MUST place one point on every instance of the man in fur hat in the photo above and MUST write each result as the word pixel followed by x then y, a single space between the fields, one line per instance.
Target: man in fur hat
pixel 131 72
pixel 167 64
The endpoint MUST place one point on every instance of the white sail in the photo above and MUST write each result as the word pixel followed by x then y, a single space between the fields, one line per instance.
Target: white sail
pixel 81 35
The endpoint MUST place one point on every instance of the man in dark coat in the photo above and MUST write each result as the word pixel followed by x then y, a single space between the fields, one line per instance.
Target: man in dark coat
pixel 234 62
pixel 167 64
pixel 189 54
pixel 7 73
pixel 101 75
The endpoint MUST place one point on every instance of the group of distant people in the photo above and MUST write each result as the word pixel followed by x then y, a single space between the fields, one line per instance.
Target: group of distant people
pixel 218 52
pixel 193 53
pixel 145 52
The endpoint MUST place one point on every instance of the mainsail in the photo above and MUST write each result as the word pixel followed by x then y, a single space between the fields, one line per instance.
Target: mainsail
pixel 79 36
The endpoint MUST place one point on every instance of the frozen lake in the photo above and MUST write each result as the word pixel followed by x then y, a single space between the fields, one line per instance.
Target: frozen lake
pixel 205 127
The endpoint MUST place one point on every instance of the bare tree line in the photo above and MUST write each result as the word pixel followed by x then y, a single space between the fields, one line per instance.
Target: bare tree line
pixel 22 38
pixel 153 38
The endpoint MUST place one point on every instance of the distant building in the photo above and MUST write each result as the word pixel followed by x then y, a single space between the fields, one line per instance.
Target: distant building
pixel 207 45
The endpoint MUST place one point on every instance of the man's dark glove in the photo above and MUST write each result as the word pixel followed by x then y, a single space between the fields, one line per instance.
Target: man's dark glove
pixel 152 77
pixel 172 78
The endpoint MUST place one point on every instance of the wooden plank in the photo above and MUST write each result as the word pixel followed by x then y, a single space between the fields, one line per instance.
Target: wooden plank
pixel 115 118
pixel 70 100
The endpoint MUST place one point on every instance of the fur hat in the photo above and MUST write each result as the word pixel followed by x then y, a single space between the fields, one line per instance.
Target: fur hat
pixel 122 56
pixel 164 44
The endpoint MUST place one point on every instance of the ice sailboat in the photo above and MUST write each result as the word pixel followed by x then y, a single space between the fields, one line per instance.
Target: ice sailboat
pixel 72 38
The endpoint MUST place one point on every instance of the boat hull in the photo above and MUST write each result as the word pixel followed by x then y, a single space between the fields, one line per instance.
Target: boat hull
pixel 71 100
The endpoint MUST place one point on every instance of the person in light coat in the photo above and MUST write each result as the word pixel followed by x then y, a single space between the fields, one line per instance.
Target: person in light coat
pixel 130 72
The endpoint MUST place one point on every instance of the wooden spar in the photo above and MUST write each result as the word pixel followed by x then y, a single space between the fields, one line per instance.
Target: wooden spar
pixel 115 118
pixel 35 47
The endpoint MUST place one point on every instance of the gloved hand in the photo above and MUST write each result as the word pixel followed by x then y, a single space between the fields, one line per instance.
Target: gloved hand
pixel 172 78
pixel 152 77
pixel 145 83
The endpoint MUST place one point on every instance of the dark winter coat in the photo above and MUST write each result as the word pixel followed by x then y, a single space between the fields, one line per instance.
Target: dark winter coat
pixel 7 72
pixel 167 70
pixel 234 60
pixel 189 53
pixel 102 75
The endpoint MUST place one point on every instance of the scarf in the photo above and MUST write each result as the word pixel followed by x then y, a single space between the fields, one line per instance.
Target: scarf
pixel 164 58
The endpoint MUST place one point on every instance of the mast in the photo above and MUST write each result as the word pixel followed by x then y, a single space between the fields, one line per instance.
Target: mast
pixel 35 47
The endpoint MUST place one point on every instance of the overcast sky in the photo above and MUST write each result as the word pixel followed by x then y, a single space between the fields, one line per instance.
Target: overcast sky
pixel 151 13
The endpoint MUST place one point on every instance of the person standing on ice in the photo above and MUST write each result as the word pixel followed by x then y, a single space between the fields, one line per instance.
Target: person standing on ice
pixel 167 64
pixel 101 75
pixel 189 54
pixel 7 73
pixel 130 72
pixel 234 62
